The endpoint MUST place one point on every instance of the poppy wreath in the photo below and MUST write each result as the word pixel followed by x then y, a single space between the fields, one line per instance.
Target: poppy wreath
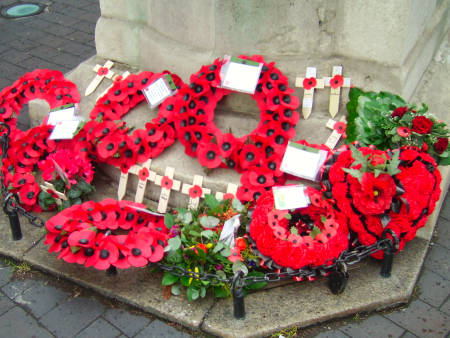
pixel 257 154
pixel 30 151
pixel 310 236
pixel 107 233
pixel 44 84
pixel 109 137
pixel 379 203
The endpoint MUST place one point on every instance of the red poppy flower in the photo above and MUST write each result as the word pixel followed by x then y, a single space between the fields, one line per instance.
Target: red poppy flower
pixel 336 81
pixel 250 155
pixel 399 112
pixel 228 196
pixel 28 194
pixel 143 174
pixel 102 71
pixel 166 183
pixel 139 251
pixel 422 125
pixel 309 83
pixel 235 255
pixel 195 191
pixel 84 238
pixel 208 155
pixel 108 146
pixel 259 177
pixel 403 131
pixel 105 253
pixel 340 127
pixel 441 145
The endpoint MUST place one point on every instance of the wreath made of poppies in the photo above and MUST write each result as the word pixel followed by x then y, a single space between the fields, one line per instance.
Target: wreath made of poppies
pixel 108 233
pixel 256 155
pixel 380 192
pixel 310 236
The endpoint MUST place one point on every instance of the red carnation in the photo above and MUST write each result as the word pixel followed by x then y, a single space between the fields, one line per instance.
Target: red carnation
pixel 422 125
pixel 441 145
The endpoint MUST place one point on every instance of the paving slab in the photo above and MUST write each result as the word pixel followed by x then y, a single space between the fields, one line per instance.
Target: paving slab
pixel 442 233
pixel 375 326
pixel 160 329
pixel 437 260
pixel 99 328
pixel 5 304
pixel 433 288
pixel 331 334
pixel 17 323
pixel 128 323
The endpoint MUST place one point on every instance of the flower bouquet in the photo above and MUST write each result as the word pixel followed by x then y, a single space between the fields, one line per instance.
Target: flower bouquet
pixel 207 241
pixel 388 122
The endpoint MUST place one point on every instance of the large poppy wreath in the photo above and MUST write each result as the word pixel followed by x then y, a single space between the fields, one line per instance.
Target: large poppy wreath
pixel 258 155
pixel 374 205
pixel 313 236
pixel 108 138
pixel 107 233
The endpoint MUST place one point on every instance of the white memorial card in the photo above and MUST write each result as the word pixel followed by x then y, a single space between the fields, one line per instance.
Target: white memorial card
pixel 240 75
pixel 64 130
pixel 302 161
pixel 64 113
pixel 290 197
pixel 159 90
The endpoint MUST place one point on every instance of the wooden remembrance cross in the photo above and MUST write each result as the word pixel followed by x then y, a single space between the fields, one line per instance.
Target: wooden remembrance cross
pixel 107 72
pixel 309 83
pixel 336 82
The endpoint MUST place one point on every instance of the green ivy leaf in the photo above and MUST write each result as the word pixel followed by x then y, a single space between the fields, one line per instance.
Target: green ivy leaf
pixel 392 166
pixel 202 292
pixel 353 172
pixel 192 293
pixel 169 279
pixel 288 216
pixel 207 234
pixel 174 243
pixel 211 201
pixel 185 217
pixel 294 230
pixel 219 246
pixel 176 289
pixel 169 220
pixel 314 232
pixel 209 221
pixel 237 205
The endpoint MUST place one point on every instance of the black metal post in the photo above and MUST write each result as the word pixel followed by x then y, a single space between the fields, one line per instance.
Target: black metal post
pixel 13 216
pixel 337 280
pixel 238 296
pixel 111 271
pixel 386 264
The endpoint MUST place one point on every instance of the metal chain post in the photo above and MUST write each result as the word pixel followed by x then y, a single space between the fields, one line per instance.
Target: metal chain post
pixel 11 211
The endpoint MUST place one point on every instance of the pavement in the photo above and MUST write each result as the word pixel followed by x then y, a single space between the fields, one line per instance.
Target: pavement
pixel 39 305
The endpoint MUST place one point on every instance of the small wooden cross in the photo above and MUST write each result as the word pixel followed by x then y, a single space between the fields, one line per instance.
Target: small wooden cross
pixel 336 82
pixel 121 191
pixel 167 184
pixel 335 136
pixel 102 72
pixel 60 196
pixel 188 189
pixel 231 189
pixel 309 82
pixel 115 78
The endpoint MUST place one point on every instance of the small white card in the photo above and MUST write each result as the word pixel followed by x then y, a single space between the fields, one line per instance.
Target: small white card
pixel 303 161
pixel 64 130
pixel 240 75
pixel 290 197
pixel 307 102
pixel 158 91
pixel 65 113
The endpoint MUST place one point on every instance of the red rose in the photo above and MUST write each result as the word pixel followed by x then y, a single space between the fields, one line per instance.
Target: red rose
pixel 400 111
pixel 421 125
pixel 441 145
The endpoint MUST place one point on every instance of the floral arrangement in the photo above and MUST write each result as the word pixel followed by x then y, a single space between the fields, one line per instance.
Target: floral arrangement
pixel 294 239
pixel 382 191
pixel 388 122
pixel 197 244
pixel 257 155
pixel 108 233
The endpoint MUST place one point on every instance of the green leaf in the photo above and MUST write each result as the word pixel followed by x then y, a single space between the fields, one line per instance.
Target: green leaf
pixel 392 166
pixel 202 292
pixel 221 274
pixel 74 249
pixel 207 234
pixel 209 221
pixel 74 193
pixel 185 217
pixel 444 161
pixel 323 218
pixel 314 232
pixel 257 285
pixel 174 243
pixel 219 246
pixel 212 201
pixel 169 220
pixel 65 204
pixel 237 205
pixel 353 172
pixel 294 230
pixel 194 233
pixel 239 266
pixel 169 279
pixel 84 186
pixel 288 216
pixel 192 293
pixel 185 281
pixel 221 292
pixel 377 172
pixel 226 252
pixel 176 289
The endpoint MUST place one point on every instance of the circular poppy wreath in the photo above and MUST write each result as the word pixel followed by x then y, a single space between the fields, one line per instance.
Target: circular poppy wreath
pixel 30 151
pixel 310 236
pixel 107 233
pixel 379 204
pixel 44 84
pixel 257 154
pixel 107 139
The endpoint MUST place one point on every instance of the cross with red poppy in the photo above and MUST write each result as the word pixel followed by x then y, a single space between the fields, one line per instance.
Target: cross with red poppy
pixel 231 192
pixel 167 184
pixel 50 188
pixel 338 128
pixel 102 72
pixel 195 191
pixel 144 173
pixel 116 77
pixel 309 83
pixel 336 82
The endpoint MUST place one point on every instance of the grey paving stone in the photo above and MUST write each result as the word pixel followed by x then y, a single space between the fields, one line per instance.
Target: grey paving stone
pixel 128 323
pixel 331 334
pixel 434 289
pixel 99 328
pixel 5 275
pixel 10 70
pixel 373 326
pixel 41 298
pixel 409 335
pixel 446 307
pixel 422 320
pixel 52 40
pixel 36 62
pixel 437 260
pixel 160 329
pixel 5 304
pixel 17 287
pixel 68 60
pixel 23 44
pixel 80 37
pixel 60 19
pixel 442 233
pixel 445 210
pixel 44 52
pixel 88 26
pixel 72 316
pixel 77 48
pixel 17 323
pixel 15 56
